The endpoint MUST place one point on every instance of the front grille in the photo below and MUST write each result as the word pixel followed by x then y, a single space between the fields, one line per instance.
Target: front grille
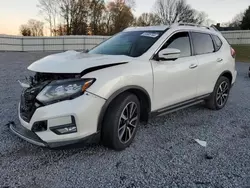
pixel 28 104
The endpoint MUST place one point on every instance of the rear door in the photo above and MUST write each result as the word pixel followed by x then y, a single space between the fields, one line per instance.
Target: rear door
pixel 208 60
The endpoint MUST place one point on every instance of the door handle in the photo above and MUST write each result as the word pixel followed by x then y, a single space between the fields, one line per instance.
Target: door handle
pixel 219 60
pixel 192 66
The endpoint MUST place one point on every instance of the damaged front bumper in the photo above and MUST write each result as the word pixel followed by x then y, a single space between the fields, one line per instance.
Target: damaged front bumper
pixel 27 135
pixel 82 111
pixel 32 137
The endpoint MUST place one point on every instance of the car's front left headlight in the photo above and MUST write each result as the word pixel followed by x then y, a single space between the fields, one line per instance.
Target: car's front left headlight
pixel 63 90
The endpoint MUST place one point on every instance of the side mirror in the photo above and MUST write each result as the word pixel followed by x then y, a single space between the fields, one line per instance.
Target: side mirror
pixel 169 54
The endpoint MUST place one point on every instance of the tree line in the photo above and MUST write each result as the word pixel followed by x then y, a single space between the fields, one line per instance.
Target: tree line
pixel 241 20
pixel 95 17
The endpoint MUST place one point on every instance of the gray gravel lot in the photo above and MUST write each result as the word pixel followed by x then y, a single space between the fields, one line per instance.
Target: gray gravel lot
pixel 162 155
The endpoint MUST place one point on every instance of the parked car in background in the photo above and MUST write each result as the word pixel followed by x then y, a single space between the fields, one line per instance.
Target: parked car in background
pixel 136 74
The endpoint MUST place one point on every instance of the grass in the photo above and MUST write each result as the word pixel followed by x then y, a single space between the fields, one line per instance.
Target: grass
pixel 242 53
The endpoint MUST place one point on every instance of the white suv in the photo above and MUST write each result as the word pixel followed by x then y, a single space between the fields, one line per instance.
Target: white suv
pixel 105 93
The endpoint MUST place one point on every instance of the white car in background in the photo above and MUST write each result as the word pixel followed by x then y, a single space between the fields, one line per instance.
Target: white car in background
pixel 140 72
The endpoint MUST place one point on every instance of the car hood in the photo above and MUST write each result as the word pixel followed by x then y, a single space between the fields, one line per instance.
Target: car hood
pixel 75 62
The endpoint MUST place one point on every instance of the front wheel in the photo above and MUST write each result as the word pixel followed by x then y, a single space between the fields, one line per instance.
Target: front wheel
pixel 121 121
pixel 219 97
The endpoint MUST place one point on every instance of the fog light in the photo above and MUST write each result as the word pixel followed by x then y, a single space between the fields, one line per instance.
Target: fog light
pixel 65 129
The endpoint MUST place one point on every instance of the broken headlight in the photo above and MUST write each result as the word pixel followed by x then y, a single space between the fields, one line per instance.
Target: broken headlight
pixel 63 90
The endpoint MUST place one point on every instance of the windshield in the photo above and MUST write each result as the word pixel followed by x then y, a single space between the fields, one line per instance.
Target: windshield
pixel 133 43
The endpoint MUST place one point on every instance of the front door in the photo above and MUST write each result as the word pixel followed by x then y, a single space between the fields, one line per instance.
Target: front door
pixel 175 81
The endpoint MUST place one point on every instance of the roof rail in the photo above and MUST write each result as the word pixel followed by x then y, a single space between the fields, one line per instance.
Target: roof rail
pixel 194 25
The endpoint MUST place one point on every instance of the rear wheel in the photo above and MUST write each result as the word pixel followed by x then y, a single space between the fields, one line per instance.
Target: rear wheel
pixel 121 121
pixel 219 97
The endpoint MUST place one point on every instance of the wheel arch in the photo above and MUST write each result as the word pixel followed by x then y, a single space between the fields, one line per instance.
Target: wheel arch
pixel 141 93
pixel 227 74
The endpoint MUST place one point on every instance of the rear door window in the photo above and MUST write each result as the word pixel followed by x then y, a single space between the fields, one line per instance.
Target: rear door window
pixel 203 43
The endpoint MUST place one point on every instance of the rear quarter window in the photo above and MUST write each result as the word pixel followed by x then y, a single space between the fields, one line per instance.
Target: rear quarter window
pixel 203 43
pixel 217 43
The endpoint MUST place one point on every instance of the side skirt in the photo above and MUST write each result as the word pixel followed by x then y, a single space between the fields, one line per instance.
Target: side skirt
pixel 179 106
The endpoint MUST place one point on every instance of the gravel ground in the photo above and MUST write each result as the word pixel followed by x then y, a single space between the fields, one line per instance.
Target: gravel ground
pixel 164 153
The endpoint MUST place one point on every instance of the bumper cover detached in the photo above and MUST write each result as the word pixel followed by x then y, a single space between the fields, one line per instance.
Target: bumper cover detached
pixel 32 138
pixel 27 135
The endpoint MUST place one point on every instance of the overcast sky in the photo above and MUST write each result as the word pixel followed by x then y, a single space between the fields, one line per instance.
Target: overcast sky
pixel 13 13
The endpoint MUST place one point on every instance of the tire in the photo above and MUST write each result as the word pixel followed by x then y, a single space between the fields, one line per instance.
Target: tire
pixel 219 97
pixel 118 122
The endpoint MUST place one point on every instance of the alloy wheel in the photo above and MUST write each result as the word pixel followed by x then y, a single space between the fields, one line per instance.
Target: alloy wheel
pixel 222 93
pixel 128 122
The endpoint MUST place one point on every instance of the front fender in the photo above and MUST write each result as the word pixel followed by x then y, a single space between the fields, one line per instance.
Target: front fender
pixel 112 79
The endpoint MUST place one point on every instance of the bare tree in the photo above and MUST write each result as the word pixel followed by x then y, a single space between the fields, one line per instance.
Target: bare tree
pixel 32 28
pixel 60 30
pixel 147 19
pixel 75 15
pixel 97 9
pixel 65 6
pixel 25 30
pixel 119 16
pixel 36 27
pixel 49 9
pixel 173 11
pixel 201 18
pixel 237 20
pixel 81 17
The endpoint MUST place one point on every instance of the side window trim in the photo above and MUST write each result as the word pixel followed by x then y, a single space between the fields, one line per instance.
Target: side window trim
pixel 195 54
pixel 172 34
pixel 191 43
pixel 213 43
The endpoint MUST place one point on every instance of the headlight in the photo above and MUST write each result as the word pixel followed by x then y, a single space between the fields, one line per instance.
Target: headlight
pixel 64 90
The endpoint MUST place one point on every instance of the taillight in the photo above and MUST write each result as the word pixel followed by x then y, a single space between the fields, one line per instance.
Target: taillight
pixel 233 53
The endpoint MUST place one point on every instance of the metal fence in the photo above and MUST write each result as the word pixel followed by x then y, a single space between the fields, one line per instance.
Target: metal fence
pixel 237 37
pixel 63 43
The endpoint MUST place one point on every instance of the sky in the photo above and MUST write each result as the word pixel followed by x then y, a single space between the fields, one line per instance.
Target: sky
pixel 13 13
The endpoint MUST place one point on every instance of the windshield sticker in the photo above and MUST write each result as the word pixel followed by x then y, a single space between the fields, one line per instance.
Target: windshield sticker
pixel 152 35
